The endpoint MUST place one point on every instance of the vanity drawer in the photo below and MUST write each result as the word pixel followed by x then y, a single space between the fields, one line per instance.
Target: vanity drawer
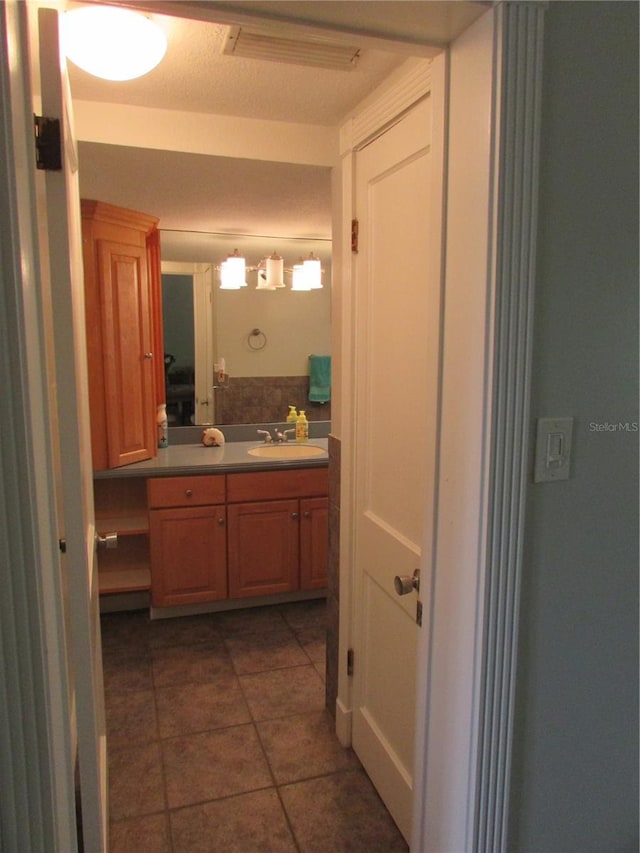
pixel 274 485
pixel 186 491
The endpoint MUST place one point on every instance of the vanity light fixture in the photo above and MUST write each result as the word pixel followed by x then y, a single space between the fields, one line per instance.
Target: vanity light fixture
pixel 233 272
pixel 306 275
pixel 112 43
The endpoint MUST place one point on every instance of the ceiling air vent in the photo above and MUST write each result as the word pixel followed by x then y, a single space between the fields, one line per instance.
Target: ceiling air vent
pixel 240 42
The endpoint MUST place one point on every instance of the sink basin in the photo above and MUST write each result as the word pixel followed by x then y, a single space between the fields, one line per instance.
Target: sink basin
pixel 286 451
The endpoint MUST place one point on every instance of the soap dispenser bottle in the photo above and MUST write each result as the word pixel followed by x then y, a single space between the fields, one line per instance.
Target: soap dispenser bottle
pixel 302 427
pixel 292 417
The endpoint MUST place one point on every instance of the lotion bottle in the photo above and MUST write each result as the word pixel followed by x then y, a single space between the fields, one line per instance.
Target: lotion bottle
pixel 163 432
pixel 302 427
pixel 292 417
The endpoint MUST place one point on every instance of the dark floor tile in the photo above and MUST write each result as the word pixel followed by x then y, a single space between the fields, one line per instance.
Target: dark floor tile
pixel 126 670
pixel 149 834
pixel 182 631
pixel 131 718
pixel 340 813
pixel 314 641
pixel 248 823
pixel 283 691
pixel 124 631
pixel 251 620
pixel 199 662
pixel 303 746
pixel 321 668
pixel 135 781
pixel 215 764
pixel 259 652
pixel 301 615
pixel 198 707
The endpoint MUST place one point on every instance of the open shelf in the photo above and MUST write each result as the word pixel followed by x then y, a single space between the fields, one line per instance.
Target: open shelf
pixel 124 580
pixel 125 568
pixel 129 525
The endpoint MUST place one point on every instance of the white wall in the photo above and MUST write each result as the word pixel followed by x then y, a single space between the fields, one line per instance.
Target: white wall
pixel 575 775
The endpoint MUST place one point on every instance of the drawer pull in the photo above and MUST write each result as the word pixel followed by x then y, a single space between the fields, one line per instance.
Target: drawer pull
pixel 221 522
pixel 294 515
pixel 307 514
pixel 188 492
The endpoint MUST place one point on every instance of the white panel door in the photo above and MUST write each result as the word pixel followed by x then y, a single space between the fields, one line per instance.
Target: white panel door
pixel 396 346
pixel 61 217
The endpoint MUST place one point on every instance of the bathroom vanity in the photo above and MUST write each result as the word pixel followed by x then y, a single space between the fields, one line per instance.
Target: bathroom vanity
pixel 216 527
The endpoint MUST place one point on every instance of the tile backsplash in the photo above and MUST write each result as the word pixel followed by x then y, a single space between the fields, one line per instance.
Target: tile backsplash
pixel 266 399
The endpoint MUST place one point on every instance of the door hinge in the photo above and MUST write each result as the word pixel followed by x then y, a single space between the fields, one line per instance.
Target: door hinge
pixel 46 132
pixel 350 662
pixel 419 613
pixel 354 235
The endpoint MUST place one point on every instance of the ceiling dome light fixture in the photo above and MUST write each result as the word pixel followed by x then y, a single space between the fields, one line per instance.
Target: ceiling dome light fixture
pixel 112 43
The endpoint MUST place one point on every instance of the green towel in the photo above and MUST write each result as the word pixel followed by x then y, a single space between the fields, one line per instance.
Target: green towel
pixel 319 378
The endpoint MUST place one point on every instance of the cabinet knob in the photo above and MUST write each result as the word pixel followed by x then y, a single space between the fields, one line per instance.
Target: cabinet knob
pixel 294 515
pixel 221 522
pixel 148 355
pixel 306 514
pixel 188 492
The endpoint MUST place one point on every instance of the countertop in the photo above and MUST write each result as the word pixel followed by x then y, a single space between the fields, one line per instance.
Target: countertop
pixel 197 459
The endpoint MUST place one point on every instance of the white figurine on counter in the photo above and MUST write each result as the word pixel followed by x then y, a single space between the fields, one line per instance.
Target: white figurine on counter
pixel 212 437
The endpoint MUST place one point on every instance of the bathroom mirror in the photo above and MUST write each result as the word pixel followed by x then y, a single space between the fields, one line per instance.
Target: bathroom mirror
pixel 264 337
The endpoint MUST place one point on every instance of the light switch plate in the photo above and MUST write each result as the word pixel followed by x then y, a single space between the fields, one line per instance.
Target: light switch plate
pixel 553 449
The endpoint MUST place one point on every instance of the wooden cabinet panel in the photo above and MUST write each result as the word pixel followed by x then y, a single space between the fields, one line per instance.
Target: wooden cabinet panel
pixel 314 542
pixel 186 491
pixel 263 548
pixel 128 353
pixel 124 337
pixel 188 555
pixel 267 485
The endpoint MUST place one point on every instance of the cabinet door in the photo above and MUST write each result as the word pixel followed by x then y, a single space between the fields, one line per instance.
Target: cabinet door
pixel 128 355
pixel 314 542
pixel 188 555
pixel 263 548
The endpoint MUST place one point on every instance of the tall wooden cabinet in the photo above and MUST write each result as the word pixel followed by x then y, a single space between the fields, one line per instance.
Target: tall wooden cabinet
pixel 124 332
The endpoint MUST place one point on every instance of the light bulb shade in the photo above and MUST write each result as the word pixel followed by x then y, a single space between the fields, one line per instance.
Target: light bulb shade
pixel 112 43
pixel 313 272
pixel 275 271
pixel 233 273
pixel 299 280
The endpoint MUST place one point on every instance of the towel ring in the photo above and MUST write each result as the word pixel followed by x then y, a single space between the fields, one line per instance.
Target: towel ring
pixel 260 342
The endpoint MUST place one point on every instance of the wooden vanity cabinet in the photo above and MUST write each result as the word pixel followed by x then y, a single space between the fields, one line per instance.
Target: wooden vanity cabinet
pixel 124 332
pixel 277 531
pixel 314 542
pixel 187 524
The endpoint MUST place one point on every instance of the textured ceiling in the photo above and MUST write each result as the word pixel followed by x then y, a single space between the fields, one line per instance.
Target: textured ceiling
pixel 196 77
pixel 194 192
pixel 198 193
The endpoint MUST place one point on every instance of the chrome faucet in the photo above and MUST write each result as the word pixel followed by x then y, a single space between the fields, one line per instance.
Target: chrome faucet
pixel 267 435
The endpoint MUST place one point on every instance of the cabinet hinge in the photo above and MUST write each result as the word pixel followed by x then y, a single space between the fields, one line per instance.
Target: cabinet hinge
pixel 48 142
pixel 350 662
pixel 354 235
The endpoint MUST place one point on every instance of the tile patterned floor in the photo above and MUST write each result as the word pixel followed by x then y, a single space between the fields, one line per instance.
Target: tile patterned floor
pixel 218 739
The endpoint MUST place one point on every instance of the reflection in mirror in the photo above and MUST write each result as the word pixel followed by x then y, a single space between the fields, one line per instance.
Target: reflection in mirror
pixel 264 337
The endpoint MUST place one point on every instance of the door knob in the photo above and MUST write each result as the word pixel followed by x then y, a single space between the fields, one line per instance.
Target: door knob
pixel 407 583
pixel 107 542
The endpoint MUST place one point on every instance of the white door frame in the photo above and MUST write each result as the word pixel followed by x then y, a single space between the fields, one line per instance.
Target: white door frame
pixel 204 334
pixel 37 811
